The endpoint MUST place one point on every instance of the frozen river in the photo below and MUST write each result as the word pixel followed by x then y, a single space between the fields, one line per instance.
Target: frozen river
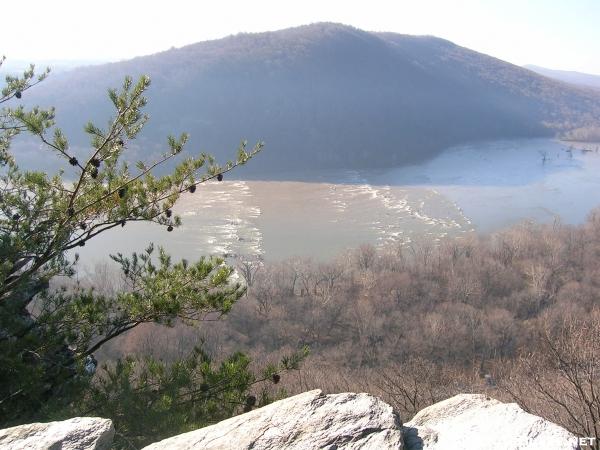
pixel 500 183
pixel 482 187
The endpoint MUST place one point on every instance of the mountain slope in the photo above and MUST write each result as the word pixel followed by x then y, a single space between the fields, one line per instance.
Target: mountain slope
pixel 567 76
pixel 327 95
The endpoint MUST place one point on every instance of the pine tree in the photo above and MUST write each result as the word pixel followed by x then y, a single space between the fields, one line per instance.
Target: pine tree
pixel 48 336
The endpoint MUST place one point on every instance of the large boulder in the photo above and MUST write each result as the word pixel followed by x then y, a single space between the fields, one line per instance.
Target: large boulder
pixel 79 433
pixel 311 420
pixel 474 422
pixel 314 420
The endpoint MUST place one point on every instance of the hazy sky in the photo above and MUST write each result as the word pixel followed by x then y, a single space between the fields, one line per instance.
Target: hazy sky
pixel 563 34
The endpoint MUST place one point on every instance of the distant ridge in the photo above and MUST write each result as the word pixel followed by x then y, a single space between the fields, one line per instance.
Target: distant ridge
pixel 567 76
pixel 325 96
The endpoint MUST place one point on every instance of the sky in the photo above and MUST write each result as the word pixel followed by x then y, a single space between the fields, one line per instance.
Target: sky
pixel 559 34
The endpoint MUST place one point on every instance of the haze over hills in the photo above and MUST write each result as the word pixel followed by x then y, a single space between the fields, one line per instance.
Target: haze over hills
pixel 17 66
pixel 325 96
pixel 568 76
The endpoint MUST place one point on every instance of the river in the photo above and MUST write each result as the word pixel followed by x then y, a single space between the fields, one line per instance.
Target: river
pixel 472 188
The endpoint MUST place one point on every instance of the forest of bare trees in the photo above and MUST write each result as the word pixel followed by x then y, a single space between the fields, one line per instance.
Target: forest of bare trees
pixel 514 315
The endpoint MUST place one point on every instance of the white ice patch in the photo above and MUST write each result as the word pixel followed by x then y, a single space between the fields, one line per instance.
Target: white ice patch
pixel 392 213
pixel 224 212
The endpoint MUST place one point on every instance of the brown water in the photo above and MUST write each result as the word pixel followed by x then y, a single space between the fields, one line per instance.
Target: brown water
pixel 278 220
pixel 484 187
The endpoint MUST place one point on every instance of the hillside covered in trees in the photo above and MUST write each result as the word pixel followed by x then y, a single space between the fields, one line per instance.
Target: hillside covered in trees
pixel 324 96
pixel 513 315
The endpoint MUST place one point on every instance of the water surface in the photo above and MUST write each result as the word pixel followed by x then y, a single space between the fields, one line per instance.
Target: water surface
pixel 479 187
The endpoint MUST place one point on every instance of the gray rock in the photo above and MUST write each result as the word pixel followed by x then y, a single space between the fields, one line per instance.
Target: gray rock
pixel 311 420
pixel 79 433
pixel 314 420
pixel 475 422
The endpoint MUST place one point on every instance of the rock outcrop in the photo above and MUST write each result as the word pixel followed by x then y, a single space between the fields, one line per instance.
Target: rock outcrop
pixel 311 420
pixel 314 420
pixel 79 433
pixel 475 422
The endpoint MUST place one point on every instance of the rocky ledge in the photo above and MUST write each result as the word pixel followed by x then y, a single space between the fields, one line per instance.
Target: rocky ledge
pixel 474 422
pixel 314 420
pixel 79 433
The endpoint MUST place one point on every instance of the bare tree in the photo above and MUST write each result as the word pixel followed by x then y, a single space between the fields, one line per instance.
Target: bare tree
pixel 562 381
pixel 365 256
pixel 247 268
pixel 329 276
pixel 418 383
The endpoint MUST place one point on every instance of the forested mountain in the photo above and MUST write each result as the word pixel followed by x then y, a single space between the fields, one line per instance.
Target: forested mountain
pixel 324 96
pixel 568 76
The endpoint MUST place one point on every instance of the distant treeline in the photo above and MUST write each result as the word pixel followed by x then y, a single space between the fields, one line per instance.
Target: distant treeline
pixel 584 134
